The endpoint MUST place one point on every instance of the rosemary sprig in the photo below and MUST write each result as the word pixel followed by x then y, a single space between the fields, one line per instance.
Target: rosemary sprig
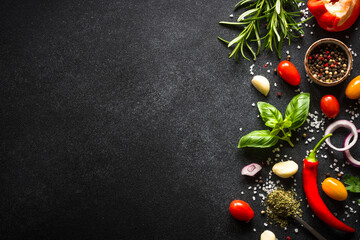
pixel 280 25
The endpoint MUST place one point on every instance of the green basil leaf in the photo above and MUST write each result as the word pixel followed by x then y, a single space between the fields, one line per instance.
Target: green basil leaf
pixel 269 114
pixel 260 139
pixel 298 110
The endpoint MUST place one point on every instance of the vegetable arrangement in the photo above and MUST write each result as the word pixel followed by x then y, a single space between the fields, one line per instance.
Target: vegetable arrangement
pixel 295 115
pixel 329 64
pixel 312 194
pixel 280 25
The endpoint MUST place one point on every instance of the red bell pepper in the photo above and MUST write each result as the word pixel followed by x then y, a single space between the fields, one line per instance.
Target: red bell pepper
pixel 335 15
pixel 312 194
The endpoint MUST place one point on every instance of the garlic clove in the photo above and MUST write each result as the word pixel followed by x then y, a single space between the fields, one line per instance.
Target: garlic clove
pixel 267 235
pixel 261 84
pixel 285 169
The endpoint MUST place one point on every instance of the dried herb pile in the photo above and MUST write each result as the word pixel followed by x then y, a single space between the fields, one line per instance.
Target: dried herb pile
pixel 282 206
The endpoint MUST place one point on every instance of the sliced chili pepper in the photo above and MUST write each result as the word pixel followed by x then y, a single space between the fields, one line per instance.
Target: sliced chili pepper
pixel 318 206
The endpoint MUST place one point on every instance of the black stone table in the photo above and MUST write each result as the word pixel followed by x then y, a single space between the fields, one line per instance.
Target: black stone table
pixel 120 120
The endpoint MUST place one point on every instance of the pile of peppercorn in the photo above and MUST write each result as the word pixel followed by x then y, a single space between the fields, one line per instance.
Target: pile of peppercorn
pixel 328 63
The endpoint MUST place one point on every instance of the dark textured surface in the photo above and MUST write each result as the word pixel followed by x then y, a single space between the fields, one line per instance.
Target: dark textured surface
pixel 120 120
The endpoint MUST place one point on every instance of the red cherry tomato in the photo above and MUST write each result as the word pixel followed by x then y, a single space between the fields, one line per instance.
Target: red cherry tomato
pixel 241 210
pixel 329 106
pixel 289 73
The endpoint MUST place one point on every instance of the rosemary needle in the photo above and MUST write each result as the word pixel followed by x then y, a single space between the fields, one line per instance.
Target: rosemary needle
pixel 280 25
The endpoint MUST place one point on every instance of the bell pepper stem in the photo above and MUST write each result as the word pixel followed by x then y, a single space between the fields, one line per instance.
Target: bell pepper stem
pixel 312 155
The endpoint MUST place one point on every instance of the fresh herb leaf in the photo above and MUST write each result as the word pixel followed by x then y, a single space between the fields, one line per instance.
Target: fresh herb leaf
pixel 269 114
pixel 260 139
pixel 298 110
pixel 353 183
pixel 296 113
pixel 280 25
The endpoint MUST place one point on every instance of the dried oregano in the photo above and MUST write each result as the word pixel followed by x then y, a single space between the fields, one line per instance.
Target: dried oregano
pixel 282 206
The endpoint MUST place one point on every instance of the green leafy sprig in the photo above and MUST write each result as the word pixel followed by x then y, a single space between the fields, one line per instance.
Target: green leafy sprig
pixel 353 184
pixel 295 115
pixel 280 25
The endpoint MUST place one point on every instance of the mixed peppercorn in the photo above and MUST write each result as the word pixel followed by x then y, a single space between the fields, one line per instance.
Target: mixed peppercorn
pixel 328 63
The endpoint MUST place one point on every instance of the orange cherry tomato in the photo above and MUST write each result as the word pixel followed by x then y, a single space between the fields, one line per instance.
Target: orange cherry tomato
pixel 289 73
pixel 241 210
pixel 353 88
pixel 334 189
pixel 330 106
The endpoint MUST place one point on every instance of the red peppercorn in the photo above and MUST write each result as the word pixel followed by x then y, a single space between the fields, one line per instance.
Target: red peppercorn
pixel 332 65
pixel 288 238
pixel 327 52
pixel 310 57
pixel 319 74
pixel 336 63
pixel 329 56
pixel 326 64
pixel 317 55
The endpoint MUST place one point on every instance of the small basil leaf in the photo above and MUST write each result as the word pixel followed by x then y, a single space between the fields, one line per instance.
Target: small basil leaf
pixel 287 124
pixel 298 110
pixel 260 139
pixel 269 114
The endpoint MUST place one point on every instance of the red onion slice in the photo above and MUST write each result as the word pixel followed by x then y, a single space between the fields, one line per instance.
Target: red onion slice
pixel 251 169
pixel 348 156
pixel 337 124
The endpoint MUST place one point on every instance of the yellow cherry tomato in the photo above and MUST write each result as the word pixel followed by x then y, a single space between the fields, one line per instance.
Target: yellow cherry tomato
pixel 334 189
pixel 353 88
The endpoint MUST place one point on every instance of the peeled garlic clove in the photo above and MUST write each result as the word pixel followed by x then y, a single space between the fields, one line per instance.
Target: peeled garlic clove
pixel 261 84
pixel 285 169
pixel 267 235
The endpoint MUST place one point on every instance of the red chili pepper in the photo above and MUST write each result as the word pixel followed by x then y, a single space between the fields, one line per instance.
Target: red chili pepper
pixel 335 16
pixel 318 206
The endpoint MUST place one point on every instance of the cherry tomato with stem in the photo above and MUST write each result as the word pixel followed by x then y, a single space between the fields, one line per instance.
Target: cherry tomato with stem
pixel 329 106
pixel 241 210
pixel 289 73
